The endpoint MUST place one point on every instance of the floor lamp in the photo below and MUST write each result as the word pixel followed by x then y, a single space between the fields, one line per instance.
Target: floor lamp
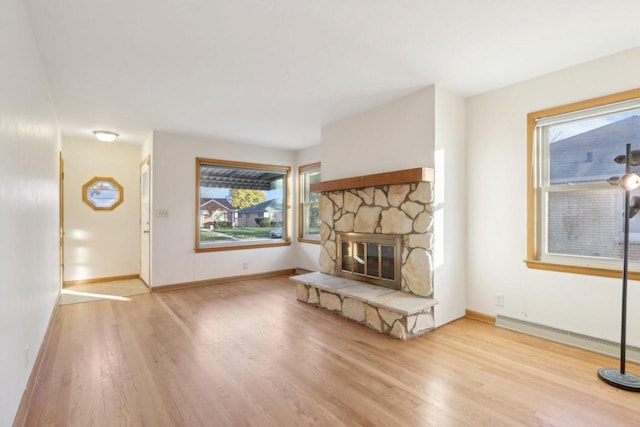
pixel 630 181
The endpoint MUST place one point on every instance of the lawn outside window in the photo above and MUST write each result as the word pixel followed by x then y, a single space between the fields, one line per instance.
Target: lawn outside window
pixel 309 207
pixel 575 217
pixel 240 205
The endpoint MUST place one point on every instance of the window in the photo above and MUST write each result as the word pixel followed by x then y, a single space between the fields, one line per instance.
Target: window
pixel 240 205
pixel 309 218
pixel 575 219
pixel 103 193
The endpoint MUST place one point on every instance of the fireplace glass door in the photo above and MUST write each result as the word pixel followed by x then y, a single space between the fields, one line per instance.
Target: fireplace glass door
pixel 364 258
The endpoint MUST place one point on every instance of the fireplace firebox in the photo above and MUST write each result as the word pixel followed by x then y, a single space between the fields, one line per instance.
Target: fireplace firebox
pixel 371 258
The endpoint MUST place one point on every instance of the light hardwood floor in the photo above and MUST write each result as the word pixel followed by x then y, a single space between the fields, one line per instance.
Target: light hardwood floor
pixel 112 289
pixel 248 354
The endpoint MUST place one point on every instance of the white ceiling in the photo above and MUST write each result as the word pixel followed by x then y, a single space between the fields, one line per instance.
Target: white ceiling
pixel 272 72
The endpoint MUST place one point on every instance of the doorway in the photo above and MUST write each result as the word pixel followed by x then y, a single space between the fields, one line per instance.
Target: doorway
pixel 100 213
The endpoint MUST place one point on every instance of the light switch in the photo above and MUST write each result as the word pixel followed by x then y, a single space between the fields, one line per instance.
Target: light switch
pixel 162 213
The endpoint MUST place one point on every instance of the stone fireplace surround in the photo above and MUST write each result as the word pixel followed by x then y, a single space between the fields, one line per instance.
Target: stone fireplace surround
pixel 402 207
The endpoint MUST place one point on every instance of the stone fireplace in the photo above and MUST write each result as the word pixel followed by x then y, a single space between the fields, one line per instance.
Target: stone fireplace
pixel 376 229
pixel 403 210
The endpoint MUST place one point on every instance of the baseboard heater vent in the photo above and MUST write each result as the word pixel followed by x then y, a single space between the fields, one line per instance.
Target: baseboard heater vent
pixel 585 342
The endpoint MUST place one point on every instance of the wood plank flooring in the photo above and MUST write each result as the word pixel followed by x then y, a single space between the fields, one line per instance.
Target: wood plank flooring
pixel 248 354
pixel 112 289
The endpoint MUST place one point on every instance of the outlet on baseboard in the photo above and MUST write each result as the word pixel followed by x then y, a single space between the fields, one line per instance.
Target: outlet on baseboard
pixel 499 299
pixel 245 265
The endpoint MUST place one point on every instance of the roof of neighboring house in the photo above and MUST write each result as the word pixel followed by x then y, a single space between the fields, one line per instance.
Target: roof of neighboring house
pixel 273 205
pixel 215 204
pixel 589 156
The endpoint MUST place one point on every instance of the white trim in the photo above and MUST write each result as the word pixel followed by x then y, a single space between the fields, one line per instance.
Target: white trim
pixel 585 342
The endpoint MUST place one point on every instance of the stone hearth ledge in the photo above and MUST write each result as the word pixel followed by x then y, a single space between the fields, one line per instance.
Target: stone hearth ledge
pixel 388 311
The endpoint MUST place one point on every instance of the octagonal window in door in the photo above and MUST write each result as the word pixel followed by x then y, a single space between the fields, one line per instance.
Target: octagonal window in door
pixel 103 193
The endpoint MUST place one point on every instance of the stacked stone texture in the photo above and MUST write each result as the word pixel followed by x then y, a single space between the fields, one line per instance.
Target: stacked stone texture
pixel 404 210
pixel 382 320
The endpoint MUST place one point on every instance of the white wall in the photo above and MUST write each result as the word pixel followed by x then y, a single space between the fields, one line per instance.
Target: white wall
pixel 395 136
pixel 29 194
pixel 496 206
pixel 449 207
pixel 174 188
pixel 307 254
pixel 99 244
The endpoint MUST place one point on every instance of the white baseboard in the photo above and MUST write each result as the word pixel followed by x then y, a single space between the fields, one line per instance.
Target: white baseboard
pixel 585 342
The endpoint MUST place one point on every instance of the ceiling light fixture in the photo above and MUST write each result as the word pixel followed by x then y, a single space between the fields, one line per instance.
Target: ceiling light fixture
pixel 105 135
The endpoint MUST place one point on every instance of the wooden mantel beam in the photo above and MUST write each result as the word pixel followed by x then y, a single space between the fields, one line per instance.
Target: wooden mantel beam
pixel 406 176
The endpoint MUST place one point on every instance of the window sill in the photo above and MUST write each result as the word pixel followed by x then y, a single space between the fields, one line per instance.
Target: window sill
pixel 243 246
pixel 304 240
pixel 576 269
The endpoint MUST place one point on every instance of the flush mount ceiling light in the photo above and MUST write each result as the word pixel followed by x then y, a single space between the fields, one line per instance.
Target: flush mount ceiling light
pixel 105 135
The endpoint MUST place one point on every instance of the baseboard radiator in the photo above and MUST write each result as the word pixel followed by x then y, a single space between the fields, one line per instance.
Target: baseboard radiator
pixel 585 342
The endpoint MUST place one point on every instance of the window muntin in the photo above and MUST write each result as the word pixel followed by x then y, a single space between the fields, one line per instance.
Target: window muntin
pixel 309 207
pixel 240 205
pixel 575 216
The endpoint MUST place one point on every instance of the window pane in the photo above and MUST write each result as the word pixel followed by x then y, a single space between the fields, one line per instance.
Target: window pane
pixel 583 150
pixel 103 194
pixel 310 203
pixel 589 223
pixel 241 204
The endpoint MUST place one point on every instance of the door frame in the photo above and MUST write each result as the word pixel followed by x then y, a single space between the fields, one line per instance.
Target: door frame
pixel 145 162
pixel 61 216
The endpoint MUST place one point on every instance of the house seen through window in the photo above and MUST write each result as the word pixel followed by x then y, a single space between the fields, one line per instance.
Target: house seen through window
pixel 240 205
pixel 577 215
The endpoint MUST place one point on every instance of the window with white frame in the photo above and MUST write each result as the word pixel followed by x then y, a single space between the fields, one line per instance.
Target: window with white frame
pixel 240 205
pixel 309 208
pixel 575 215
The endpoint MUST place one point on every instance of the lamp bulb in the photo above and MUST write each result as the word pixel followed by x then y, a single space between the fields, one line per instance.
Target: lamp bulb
pixel 630 181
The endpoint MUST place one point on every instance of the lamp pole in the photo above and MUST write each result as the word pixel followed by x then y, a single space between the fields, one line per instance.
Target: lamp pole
pixel 619 377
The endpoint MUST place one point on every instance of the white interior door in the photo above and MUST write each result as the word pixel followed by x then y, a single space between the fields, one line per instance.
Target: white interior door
pixel 145 225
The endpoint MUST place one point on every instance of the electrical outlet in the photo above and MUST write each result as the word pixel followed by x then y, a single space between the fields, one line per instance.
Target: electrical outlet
pixel 162 213
pixel 499 299
pixel 245 265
